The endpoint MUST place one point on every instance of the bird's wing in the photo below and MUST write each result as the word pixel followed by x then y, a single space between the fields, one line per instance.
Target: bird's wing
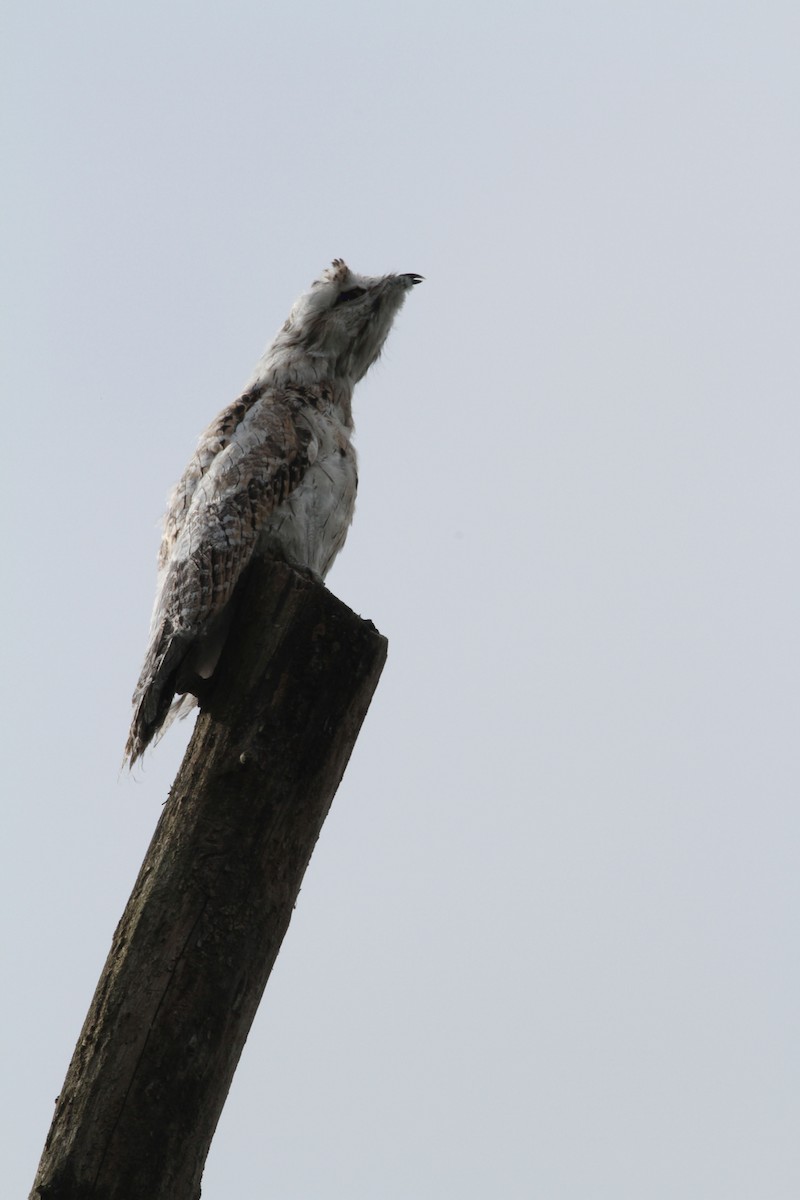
pixel 247 463
pixel 214 440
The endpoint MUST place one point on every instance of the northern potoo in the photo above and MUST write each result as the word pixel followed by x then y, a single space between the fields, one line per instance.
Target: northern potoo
pixel 274 474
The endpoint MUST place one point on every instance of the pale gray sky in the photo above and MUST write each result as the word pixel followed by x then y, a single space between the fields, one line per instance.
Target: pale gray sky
pixel 547 944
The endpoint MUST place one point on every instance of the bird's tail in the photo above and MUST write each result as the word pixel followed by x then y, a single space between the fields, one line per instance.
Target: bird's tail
pixel 152 699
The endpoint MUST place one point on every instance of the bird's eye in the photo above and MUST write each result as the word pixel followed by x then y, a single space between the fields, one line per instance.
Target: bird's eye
pixel 350 294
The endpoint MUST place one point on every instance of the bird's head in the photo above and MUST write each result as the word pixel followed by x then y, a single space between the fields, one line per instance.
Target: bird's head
pixel 342 321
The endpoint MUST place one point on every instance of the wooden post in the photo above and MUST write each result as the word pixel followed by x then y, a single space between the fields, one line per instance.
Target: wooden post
pixel 193 951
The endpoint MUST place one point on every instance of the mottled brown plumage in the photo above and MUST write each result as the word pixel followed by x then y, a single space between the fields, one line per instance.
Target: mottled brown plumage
pixel 274 474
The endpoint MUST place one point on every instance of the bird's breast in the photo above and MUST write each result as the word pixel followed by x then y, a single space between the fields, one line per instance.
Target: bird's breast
pixel 310 527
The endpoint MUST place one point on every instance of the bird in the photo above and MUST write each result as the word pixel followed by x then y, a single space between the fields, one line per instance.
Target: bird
pixel 273 475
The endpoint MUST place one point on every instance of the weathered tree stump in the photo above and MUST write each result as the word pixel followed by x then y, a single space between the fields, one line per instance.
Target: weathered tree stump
pixel 196 944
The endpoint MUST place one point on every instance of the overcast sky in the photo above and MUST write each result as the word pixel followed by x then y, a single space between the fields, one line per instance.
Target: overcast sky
pixel 547 944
